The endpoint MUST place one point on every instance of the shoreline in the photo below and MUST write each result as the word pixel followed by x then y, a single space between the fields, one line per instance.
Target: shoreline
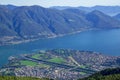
pixel 53 36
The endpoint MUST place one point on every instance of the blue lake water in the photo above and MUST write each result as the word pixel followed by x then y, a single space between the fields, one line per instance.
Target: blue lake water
pixel 104 41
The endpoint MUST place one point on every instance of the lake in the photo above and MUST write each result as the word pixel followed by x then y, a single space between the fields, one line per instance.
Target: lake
pixel 104 41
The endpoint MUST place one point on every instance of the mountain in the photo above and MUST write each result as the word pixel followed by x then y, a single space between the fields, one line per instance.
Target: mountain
pixel 37 22
pixel 117 16
pixel 76 11
pixel 101 20
pixel 107 74
pixel 5 22
pixel 11 6
pixel 96 18
pixel 61 7
pixel 19 23
pixel 109 10
pixel 59 64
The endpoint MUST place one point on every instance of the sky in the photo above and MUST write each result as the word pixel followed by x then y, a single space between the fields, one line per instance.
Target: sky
pixel 74 3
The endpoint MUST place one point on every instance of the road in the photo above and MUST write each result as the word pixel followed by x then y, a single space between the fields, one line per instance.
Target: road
pixel 72 68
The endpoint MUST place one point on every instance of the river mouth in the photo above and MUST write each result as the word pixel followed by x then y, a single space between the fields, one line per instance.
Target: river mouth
pixel 104 41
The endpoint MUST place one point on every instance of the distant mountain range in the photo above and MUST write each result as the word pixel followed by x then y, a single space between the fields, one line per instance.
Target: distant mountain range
pixel 19 23
pixel 109 10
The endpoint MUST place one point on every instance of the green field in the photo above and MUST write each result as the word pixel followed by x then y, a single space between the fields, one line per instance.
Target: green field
pixel 28 63
pixel 82 73
pixel 37 56
pixel 82 66
pixel 57 60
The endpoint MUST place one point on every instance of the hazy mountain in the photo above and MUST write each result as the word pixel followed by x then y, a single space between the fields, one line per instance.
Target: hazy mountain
pixel 117 16
pixel 76 11
pixel 101 20
pixel 110 10
pixel 11 6
pixel 33 22
pixel 60 7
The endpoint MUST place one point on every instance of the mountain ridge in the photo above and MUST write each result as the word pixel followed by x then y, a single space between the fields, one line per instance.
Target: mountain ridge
pixel 109 10
pixel 33 22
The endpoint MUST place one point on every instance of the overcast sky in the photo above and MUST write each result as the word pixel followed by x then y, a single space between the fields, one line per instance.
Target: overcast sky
pixel 48 3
